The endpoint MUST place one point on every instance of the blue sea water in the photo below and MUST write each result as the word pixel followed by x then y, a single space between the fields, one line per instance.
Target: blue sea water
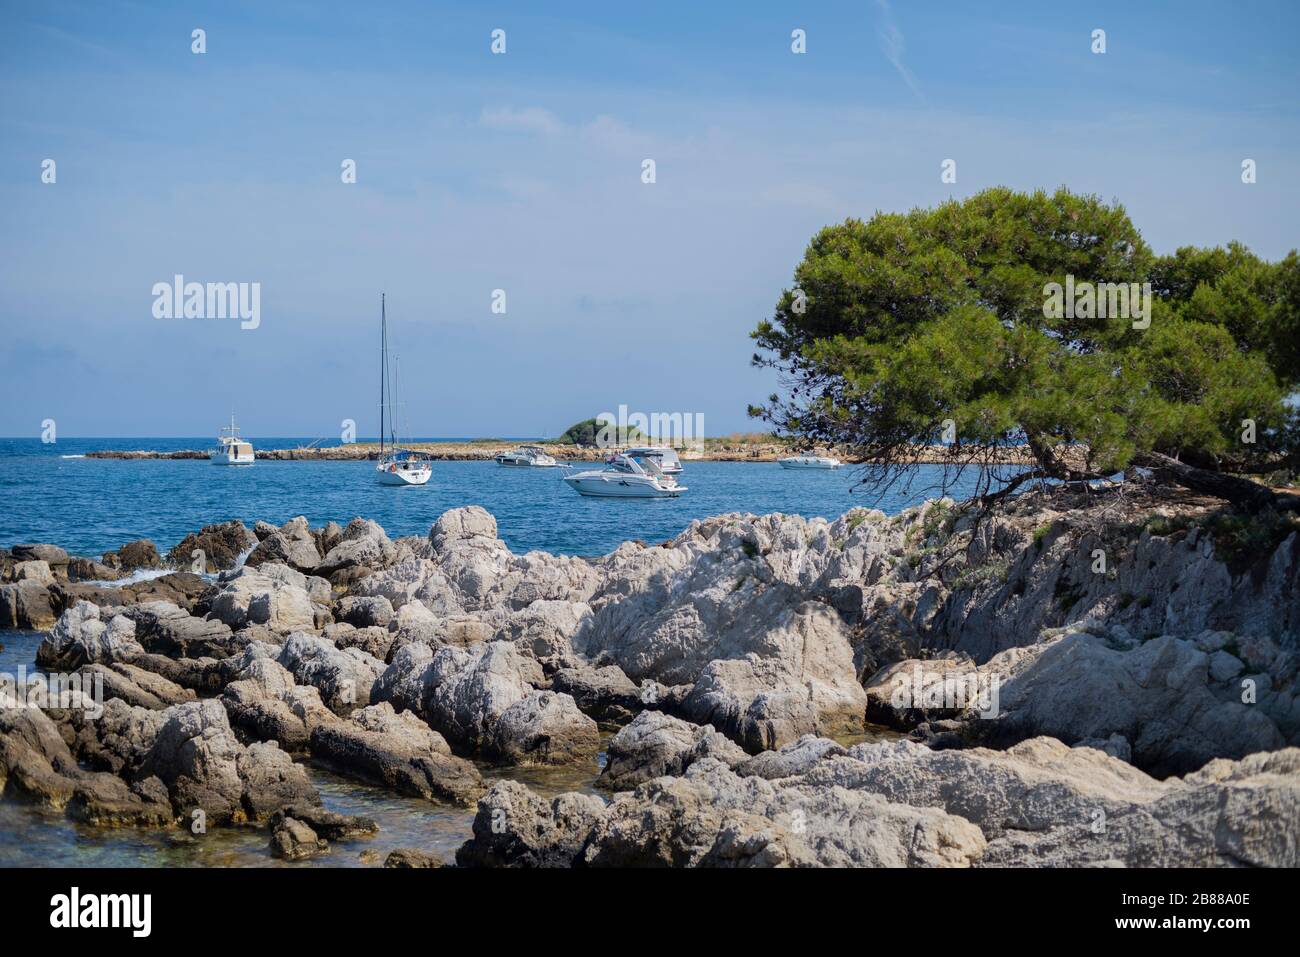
pixel 89 506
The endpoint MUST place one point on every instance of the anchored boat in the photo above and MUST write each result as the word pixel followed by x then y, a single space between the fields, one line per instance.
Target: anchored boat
pixel 230 448
pixel 809 462
pixel 527 456
pixel 396 466
pixel 627 476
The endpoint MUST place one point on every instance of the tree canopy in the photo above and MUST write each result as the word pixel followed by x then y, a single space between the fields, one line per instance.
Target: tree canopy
pixel 586 433
pixel 942 327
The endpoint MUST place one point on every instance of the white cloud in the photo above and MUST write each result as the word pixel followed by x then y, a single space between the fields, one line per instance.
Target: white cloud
pixel 892 43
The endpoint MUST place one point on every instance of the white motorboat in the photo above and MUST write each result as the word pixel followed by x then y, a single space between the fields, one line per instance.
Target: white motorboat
pixel 230 448
pixel 627 476
pixel 396 466
pixel 807 461
pixel 527 456
pixel 669 463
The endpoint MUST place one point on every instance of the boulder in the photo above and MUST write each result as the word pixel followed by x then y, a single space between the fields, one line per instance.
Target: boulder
pixel 89 570
pixel 544 728
pixel 515 828
pixel 767 663
pixel 265 704
pixel 81 636
pixel 606 694
pixel 364 544
pixel 292 544
pixel 34 571
pixel 222 547
pixel 56 558
pixel 399 751
pixel 365 612
pixel 1158 695
pixel 254 597
pixel 374 641
pixel 655 745
pixel 134 685
pixel 294 840
pixel 406 858
pixel 27 605
pixel 204 767
pixel 479 573
pixel 141 553
pixel 343 677
pixel 167 629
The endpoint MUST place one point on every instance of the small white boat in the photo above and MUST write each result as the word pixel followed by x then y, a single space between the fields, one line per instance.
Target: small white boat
pixel 396 466
pixel 626 476
pixel 527 456
pixel 809 462
pixel 230 448
pixel 669 463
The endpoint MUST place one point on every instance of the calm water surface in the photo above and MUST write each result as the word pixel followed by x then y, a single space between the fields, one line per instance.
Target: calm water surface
pixel 92 505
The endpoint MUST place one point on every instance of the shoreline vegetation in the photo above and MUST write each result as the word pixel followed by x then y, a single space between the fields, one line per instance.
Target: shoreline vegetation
pixel 734 448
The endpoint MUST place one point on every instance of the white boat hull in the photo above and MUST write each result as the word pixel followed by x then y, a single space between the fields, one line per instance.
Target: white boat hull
pixel 401 477
pixel 221 457
pixel 809 464
pixel 599 486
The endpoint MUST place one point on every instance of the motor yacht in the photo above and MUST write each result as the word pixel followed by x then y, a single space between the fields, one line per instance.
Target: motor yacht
pixel 626 476
pixel 809 462
pixel 527 456
pixel 230 448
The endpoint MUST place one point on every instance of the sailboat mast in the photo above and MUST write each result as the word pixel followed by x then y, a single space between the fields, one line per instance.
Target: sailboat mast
pixel 383 368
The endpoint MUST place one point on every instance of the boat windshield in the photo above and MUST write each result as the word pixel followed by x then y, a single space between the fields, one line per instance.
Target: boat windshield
pixel 648 463
pixel 663 453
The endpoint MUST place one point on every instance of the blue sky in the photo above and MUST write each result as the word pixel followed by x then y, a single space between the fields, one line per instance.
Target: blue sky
pixel 521 172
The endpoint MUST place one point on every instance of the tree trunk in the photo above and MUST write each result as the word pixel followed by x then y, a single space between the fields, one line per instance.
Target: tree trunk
pixel 1243 494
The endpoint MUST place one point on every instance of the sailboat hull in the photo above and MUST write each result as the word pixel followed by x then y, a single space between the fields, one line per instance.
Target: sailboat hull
pixel 401 477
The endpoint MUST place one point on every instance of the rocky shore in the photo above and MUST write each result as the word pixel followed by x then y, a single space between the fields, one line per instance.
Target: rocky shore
pixel 1106 678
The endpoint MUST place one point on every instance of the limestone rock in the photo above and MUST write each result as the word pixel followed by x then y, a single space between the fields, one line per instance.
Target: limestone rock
pixel 398 751
pixel 655 745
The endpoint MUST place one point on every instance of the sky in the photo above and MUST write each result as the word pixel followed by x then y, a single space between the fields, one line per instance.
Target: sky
pixel 523 172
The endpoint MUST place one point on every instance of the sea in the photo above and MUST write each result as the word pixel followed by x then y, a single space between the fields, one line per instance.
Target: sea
pixel 53 493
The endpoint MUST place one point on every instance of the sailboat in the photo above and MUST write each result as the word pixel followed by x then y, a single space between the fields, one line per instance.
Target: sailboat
pixel 396 466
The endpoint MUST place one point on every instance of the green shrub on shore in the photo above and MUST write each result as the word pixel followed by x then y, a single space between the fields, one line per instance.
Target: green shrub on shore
pixel 584 433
